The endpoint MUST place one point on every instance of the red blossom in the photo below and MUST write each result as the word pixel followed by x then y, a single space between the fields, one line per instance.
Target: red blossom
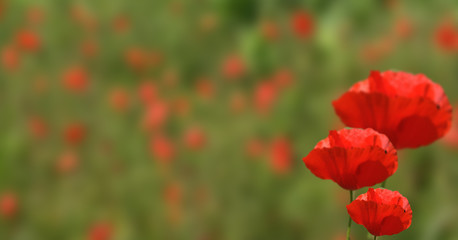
pixel 28 40
pixel 302 24
pixel 100 231
pixel 8 205
pixel 353 158
pixel 410 109
pixel 162 149
pixel 381 211
pixel 233 67
pixel 195 138
pixel 74 133
pixel 281 155
pixel 10 58
pixel 119 99
pixel 76 79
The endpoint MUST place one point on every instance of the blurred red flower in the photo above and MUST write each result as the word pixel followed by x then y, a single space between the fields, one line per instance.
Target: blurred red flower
pixel 302 23
pixel 136 58
pixel 8 204
pixel 74 133
pixel 67 162
pixel 76 79
pixel 233 67
pixel 353 158
pixel 28 40
pixel 10 58
pixel 283 78
pixel 410 109
pixel 269 30
pixel 147 92
pixel 121 24
pixel 264 96
pixel 195 138
pixel 119 99
pixel 446 36
pixel 37 127
pixel 403 27
pixel 156 115
pixel 100 231
pixel 162 149
pixel 281 155
pixel 173 196
pixel 89 48
pixel 205 88
pixel 237 102
pixel 381 211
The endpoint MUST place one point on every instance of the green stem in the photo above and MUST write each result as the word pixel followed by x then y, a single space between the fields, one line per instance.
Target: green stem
pixel 383 184
pixel 375 237
pixel 349 218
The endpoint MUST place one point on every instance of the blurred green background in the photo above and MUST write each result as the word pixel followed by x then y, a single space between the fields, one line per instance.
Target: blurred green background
pixel 188 119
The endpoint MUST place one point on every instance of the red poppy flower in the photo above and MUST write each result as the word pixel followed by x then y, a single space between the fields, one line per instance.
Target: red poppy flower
pixel 302 23
pixel 119 99
pixel 162 149
pixel 121 24
pixel 37 127
pixel 381 211
pixel 173 197
pixel 233 67
pixel 156 115
pixel 283 78
pixel 28 40
pixel 76 79
pixel 410 109
pixel 67 162
pixel 205 88
pixel 147 92
pixel 281 155
pixel 353 158
pixel 74 133
pixel 237 102
pixel 194 138
pixel 89 48
pixel 446 36
pixel 264 96
pixel 136 58
pixel 10 58
pixel 269 30
pixel 8 205
pixel 100 231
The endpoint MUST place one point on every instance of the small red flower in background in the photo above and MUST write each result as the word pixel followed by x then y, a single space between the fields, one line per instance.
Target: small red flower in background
pixel 10 58
pixel 302 24
pixel 147 92
pixel 264 96
pixel 136 58
pixel 410 109
pixel 162 149
pixel 233 67
pixel 281 155
pixel 76 79
pixel 205 88
pixel 8 205
pixel 283 78
pixel 28 40
pixel 37 127
pixel 119 99
pixel 67 162
pixel 195 138
pixel 403 28
pixel 446 36
pixel 121 24
pixel 237 102
pixel 381 211
pixel 74 133
pixel 100 231
pixel 451 138
pixel 353 158
pixel 89 48
pixel 156 115
pixel 269 30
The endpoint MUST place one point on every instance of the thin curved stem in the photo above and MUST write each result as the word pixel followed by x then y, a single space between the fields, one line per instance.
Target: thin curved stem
pixel 375 237
pixel 349 218
pixel 383 183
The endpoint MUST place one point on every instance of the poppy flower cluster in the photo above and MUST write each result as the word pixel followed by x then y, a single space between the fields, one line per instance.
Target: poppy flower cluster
pixel 388 111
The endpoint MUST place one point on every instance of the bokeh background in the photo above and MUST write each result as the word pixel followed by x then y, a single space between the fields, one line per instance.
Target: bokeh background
pixel 188 119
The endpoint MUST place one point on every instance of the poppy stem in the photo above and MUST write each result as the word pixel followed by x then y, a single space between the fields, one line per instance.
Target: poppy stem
pixel 383 183
pixel 349 218
pixel 375 237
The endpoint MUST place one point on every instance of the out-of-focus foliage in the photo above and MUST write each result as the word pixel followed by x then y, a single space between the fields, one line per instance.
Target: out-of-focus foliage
pixel 189 119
